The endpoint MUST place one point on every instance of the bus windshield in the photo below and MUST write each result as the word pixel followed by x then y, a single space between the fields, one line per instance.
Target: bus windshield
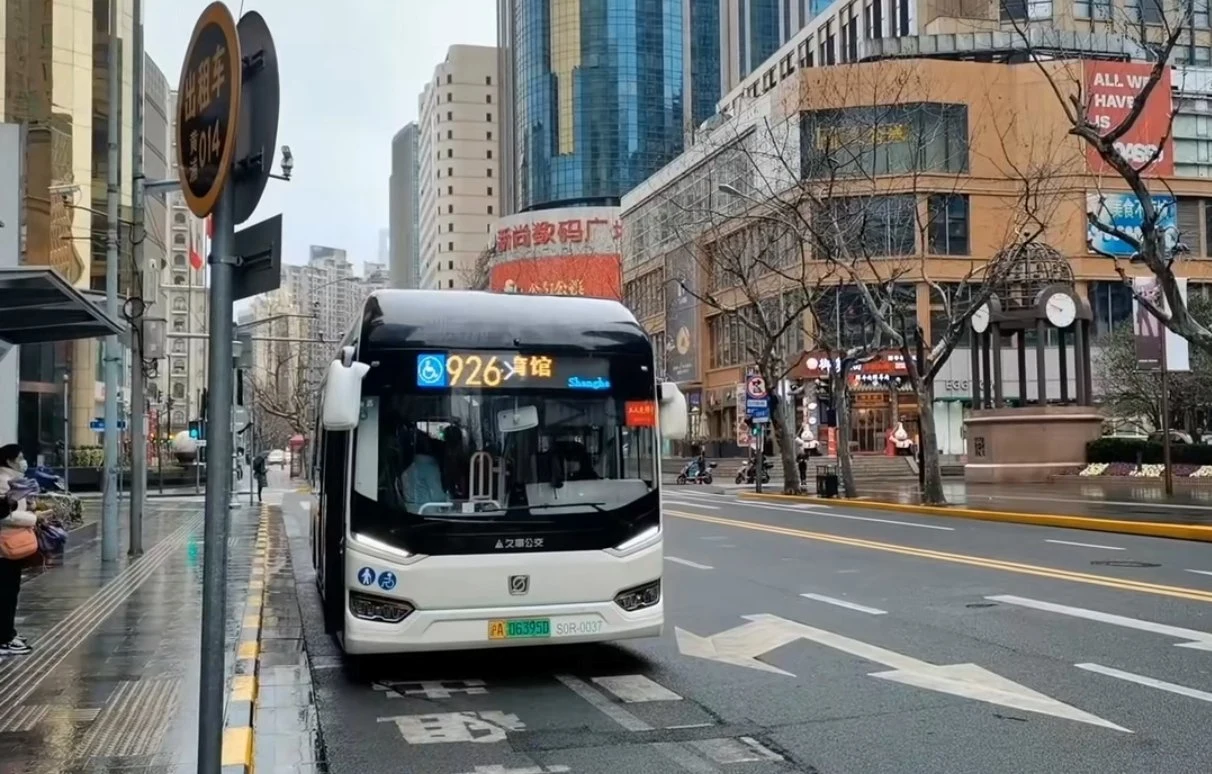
pixel 473 453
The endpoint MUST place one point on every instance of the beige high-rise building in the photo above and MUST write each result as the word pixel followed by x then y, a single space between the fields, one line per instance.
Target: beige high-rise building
pixel 54 65
pixel 459 151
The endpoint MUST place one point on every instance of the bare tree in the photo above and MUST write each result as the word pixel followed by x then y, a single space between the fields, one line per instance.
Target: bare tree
pixel 851 184
pixel 284 389
pixel 1126 124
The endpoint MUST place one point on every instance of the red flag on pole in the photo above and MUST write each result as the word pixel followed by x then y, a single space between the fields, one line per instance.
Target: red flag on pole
pixel 195 258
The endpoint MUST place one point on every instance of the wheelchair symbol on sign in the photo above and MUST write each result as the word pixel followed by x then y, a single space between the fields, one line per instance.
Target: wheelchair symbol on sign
pixel 431 371
pixel 387 580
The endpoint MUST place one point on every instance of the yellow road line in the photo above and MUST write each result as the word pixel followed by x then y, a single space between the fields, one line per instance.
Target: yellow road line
pixel 1143 528
pixel 975 561
pixel 243 688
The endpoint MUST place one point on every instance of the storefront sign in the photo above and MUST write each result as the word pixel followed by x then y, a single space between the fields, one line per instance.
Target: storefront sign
pixel 814 365
pixel 576 231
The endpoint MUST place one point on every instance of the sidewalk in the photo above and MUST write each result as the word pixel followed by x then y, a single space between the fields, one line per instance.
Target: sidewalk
pixel 112 684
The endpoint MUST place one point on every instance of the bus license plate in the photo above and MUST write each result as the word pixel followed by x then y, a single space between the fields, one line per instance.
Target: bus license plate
pixel 519 629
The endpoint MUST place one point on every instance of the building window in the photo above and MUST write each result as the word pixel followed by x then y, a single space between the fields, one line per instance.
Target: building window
pixel 450 283
pixel 488 173
pixel 449 134
pixel 884 140
pixel 450 189
pixel 449 115
pixel 948 227
pixel 179 390
pixel 450 265
pixel 1101 10
pixel 449 78
pixel 179 218
pixel 178 326
pixel 490 118
pixel 490 135
pixel 490 189
pixel 877 225
pixel 179 240
pixel 179 260
pixel 449 97
pixel 450 153
pixel 450 247
pixel 487 80
pixel 489 153
pixel 450 171
pixel 490 209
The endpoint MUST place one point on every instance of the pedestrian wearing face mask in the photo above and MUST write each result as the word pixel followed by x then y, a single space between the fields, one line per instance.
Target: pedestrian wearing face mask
pixel 17 520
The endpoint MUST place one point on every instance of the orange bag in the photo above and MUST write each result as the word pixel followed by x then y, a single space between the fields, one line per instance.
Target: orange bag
pixel 18 542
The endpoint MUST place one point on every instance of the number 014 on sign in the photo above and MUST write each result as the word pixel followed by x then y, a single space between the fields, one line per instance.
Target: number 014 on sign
pixel 208 109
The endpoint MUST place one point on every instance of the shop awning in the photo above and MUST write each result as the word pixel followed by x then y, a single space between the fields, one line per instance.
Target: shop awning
pixel 37 305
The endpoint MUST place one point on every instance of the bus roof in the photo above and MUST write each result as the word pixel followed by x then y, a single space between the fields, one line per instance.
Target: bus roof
pixel 470 319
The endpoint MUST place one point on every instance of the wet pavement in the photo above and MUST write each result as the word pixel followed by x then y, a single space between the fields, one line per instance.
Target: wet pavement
pixel 112 684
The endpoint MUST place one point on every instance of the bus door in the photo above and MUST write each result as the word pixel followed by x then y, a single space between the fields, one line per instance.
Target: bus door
pixel 330 570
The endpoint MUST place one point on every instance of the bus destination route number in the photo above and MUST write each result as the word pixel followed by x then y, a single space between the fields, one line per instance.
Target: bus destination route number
pixel 495 370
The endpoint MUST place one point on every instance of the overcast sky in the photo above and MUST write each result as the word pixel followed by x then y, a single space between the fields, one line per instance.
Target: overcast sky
pixel 351 72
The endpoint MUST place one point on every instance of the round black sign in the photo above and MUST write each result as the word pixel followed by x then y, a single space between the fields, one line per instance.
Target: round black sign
pixel 208 109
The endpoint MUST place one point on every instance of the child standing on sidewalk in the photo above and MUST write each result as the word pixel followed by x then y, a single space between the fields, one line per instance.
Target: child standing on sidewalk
pixel 14 512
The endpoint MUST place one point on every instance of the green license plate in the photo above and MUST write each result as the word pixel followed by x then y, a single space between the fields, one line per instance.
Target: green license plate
pixel 519 629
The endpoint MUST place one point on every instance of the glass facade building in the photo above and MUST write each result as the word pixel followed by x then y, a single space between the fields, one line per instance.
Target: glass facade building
pixel 706 75
pixel 597 97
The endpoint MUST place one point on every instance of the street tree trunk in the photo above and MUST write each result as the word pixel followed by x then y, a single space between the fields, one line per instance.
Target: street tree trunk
pixel 845 460
pixel 784 439
pixel 932 493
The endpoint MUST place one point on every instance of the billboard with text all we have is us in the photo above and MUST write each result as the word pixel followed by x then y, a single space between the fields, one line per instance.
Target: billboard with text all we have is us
pixel 1111 91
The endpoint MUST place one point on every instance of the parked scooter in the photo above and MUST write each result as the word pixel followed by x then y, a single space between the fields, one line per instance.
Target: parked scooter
pixel 48 482
pixel 691 473
pixel 746 472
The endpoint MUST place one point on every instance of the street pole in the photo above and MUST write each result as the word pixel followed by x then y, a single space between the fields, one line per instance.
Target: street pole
pixel 138 411
pixel 112 354
pixel 1167 467
pixel 218 485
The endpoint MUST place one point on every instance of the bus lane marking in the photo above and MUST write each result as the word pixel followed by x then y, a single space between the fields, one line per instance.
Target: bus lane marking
pixel 455 727
pixel 431 689
pixel 634 689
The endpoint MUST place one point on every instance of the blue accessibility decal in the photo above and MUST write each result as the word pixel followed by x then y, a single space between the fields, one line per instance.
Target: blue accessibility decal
pixel 387 580
pixel 366 576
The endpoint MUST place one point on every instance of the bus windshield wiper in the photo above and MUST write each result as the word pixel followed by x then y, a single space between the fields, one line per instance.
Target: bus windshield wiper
pixel 479 520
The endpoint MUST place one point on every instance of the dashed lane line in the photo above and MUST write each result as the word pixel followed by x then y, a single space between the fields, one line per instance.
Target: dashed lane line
pixel 688 563
pixel 1084 545
pixel 846 604
pixel 1151 682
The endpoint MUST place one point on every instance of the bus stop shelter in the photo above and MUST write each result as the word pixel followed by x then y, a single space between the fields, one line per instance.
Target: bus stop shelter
pixel 37 305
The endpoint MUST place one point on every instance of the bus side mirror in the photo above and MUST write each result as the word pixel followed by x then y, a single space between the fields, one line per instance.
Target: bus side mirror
pixel 343 395
pixel 674 416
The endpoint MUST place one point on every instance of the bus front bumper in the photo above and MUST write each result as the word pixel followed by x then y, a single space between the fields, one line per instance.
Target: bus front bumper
pixel 433 630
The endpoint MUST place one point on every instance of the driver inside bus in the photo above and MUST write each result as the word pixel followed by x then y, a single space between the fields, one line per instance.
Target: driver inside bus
pixel 422 479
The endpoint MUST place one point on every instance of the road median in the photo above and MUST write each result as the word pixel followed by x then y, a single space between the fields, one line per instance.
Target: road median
pixel 1123 526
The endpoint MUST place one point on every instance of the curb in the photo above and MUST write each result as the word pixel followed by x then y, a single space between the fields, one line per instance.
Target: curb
pixel 238 753
pixel 1142 528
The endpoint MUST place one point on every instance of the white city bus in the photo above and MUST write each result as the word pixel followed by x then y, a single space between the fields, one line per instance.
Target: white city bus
pixel 488 471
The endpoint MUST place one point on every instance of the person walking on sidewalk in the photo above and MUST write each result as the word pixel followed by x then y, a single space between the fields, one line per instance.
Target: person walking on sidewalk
pixel 14 513
pixel 259 470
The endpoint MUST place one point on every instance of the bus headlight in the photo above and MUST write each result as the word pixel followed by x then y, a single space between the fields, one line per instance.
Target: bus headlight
pixel 639 597
pixel 635 542
pixel 372 608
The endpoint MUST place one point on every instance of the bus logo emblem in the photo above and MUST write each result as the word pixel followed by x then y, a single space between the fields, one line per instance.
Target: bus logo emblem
pixel 519 585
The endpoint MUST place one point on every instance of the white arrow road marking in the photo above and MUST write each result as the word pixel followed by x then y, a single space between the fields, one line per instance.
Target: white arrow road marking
pixel 742 645
pixel 1201 572
pixel 1151 682
pixel 1197 640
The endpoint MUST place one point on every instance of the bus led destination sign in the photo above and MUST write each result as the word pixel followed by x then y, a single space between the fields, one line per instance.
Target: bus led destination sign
pixel 510 370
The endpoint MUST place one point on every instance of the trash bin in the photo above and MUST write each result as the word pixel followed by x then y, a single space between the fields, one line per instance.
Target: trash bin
pixel 826 481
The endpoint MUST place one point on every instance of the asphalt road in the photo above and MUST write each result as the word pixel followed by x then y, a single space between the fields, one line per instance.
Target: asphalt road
pixel 877 643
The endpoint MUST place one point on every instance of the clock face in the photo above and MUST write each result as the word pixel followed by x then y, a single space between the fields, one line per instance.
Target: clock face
pixel 980 319
pixel 1061 310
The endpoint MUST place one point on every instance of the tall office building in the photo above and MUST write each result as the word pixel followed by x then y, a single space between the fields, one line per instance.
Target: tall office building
pixel 751 30
pixel 403 241
pixel 183 282
pixel 458 144
pixel 157 144
pixel 595 95
pixel 64 110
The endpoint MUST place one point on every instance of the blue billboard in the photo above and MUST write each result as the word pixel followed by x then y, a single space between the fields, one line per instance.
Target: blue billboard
pixel 1123 212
